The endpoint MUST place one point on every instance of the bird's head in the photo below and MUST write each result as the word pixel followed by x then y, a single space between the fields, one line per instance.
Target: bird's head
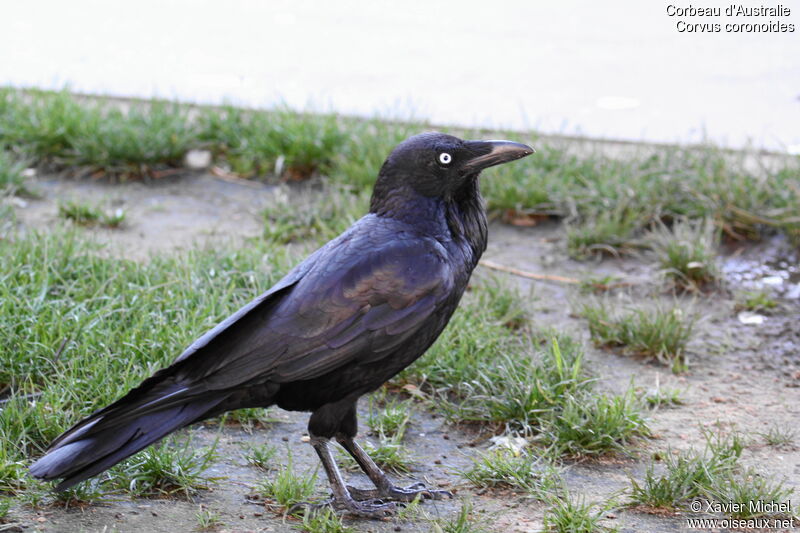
pixel 439 165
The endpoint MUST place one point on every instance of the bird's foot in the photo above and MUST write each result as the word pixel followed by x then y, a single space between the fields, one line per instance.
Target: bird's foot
pixel 399 494
pixel 374 508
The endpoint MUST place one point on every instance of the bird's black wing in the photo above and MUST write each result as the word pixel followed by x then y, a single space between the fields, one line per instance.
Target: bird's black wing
pixel 352 300
pixel 356 299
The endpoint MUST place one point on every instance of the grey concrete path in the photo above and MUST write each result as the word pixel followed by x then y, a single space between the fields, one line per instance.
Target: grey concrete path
pixel 616 69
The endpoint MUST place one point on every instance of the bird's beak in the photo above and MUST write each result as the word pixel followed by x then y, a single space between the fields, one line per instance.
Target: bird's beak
pixel 491 153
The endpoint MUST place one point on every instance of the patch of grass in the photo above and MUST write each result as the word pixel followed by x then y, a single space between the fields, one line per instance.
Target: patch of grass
pixel 369 142
pixel 686 253
pixel 261 456
pixel 593 425
pixel 507 306
pixel 567 514
pixel 314 216
pixel 533 475
pixel 85 214
pixel 611 201
pixel 281 142
pixel 13 472
pixel 81 494
pixel 133 141
pixel 41 124
pixel 654 184
pixel 689 475
pixel 606 233
pixel 757 301
pixel 512 388
pixel 5 508
pixel 748 489
pixel 207 519
pixel 248 418
pixel 167 468
pixel 391 421
pixel 483 371
pixel 654 333
pixel 287 488
pixel 660 397
pixel 323 521
pixel 464 522
pixel 779 436
pixel 389 454
pixel 12 180
pixel 68 321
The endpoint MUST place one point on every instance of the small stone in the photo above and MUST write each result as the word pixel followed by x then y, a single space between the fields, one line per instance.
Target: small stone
pixel 197 159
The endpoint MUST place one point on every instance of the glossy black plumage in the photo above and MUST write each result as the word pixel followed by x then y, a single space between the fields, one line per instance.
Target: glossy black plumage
pixel 340 324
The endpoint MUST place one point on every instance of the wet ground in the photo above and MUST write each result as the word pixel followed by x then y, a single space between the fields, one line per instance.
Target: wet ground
pixel 742 375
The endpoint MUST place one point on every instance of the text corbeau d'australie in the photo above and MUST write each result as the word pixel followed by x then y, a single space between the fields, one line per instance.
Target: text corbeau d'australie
pixel 739 19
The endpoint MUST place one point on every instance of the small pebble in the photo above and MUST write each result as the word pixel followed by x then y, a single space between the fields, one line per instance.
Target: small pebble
pixel 197 159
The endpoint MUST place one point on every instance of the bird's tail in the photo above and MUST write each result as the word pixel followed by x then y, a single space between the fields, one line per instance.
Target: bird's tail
pixel 143 416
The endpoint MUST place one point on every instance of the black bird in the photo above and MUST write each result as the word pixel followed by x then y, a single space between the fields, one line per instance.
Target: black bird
pixel 340 324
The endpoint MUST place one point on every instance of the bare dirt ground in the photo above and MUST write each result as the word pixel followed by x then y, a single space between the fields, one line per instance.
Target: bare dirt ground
pixel 741 376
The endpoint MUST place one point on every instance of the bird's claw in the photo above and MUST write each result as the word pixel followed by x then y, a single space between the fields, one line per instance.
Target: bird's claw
pixel 374 508
pixel 399 494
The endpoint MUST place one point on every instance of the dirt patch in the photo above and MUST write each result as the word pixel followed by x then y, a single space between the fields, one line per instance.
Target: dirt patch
pixel 741 376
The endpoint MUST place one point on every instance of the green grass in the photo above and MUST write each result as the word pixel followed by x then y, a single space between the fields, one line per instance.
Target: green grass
pixel 527 473
pixel 165 469
pixel 388 453
pixel 281 142
pixel 313 215
pixel 71 318
pixel 41 124
pixel 745 487
pixel 686 253
pixel 652 332
pixel 611 203
pixel 779 436
pixel 132 142
pixel 85 214
pixel 485 370
pixel 207 519
pixel 757 301
pixel 689 475
pixel 261 456
pixel 660 397
pixel 464 522
pixel 567 514
pixel 595 425
pixel 12 180
pixel 606 233
pixel 323 521
pixel 392 420
pixel 286 488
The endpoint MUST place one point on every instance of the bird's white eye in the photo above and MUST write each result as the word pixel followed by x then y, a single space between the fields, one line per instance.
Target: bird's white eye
pixel 445 158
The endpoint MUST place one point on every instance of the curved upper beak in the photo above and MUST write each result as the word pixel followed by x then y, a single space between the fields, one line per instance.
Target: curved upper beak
pixel 491 153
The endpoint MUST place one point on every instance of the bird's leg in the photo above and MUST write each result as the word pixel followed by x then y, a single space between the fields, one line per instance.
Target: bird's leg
pixel 385 489
pixel 342 500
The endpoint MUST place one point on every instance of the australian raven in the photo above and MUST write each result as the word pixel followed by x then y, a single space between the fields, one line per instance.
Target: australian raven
pixel 340 324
